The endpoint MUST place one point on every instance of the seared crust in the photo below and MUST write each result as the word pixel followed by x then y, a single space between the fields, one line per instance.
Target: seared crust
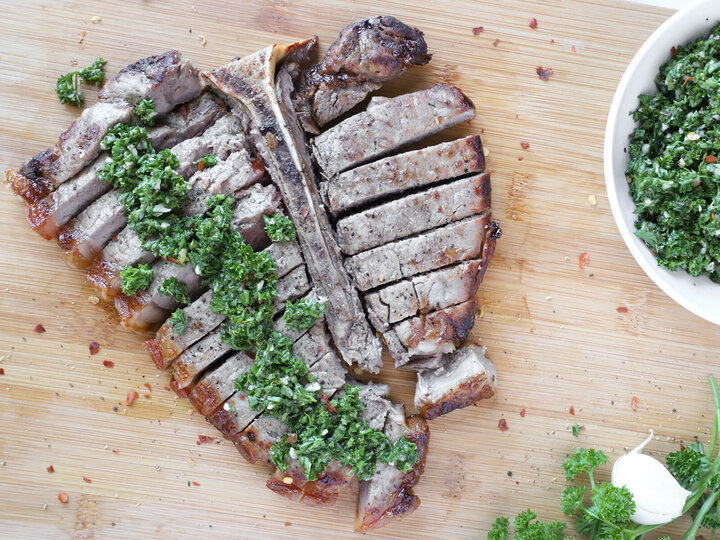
pixel 440 331
pixel 403 500
pixel 323 491
pixel 470 391
pixel 33 190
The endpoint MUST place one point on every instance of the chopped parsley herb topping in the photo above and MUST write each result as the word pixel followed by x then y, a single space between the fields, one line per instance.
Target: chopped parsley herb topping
pixel 206 162
pixel 177 291
pixel 244 289
pixel 279 228
pixel 576 429
pixel 134 278
pixel 145 110
pixel 673 169
pixel 303 313
pixel 178 321
pixel 67 87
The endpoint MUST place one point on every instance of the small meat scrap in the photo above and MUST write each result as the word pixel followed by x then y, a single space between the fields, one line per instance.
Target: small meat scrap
pixel 204 439
pixel 478 30
pixel 502 425
pixel 583 259
pixel 94 347
pixel 39 328
pixel 533 23
pixel 544 73
pixel 131 396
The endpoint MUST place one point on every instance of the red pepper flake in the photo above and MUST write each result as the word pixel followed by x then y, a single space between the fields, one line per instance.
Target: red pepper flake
pixel 292 439
pixel 524 145
pixel 171 260
pixel 63 497
pixel 87 480
pixel 168 388
pixel 183 110
pixel 81 36
pixel 108 363
pixel 572 410
pixel 583 259
pixel 131 396
pixel 329 405
pixel 496 42
pixel 478 30
pixel 288 523
pixel 502 425
pixel 147 385
pixel 115 451
pixel 204 439
pixel 50 469
pixel 114 238
pixel 195 484
pixel 147 396
pixel 520 158
pixel 39 328
pixel 533 23
pixel 687 79
pixel 522 413
pixel 621 309
pixel 710 159
pixel 544 73
pixel 304 212
pixel 634 403
pixel 94 347
pixel 573 49
pixel 673 51
pixel 2 371
pixel 201 165
pixel 551 41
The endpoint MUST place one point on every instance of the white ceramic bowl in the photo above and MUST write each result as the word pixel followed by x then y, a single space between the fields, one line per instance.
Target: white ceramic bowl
pixel 699 295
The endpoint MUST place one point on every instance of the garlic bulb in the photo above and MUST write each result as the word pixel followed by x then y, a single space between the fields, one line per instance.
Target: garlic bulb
pixel 658 496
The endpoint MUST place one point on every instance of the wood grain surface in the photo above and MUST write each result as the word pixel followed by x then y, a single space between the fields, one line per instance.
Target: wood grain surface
pixel 554 330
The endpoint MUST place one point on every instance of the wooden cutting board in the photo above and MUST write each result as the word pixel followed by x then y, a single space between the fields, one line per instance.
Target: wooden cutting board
pixel 555 331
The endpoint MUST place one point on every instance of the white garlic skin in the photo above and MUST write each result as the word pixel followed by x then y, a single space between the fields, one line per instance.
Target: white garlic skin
pixel 658 496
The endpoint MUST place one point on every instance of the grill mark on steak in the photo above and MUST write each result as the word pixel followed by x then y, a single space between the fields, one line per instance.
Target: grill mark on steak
pixel 252 83
pixel 365 55
pixel 463 378
pixel 410 215
pixel 217 385
pixel 197 357
pixel 403 172
pixel 388 126
pixel 452 243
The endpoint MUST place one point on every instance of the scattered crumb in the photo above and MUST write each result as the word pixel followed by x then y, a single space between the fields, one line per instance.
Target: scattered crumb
pixel 95 19
pixel 50 469
pixel 202 39
pixel 287 480
pixel 478 30
pixel 634 403
pixel 94 347
pixel 592 199
pixel 94 300
pixel 81 36
pixel 522 413
pixel 131 396
pixel 533 23
pixel 204 439
pixel 583 259
pixel 190 462
pixel 524 145
pixel 496 42
pixel 544 73
pixel 63 497
pixel 39 328
pixel 502 425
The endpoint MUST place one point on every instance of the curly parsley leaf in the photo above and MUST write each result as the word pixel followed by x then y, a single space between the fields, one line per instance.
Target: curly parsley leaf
pixel 527 529
pixel 303 313
pixel 178 320
pixel 94 73
pixel 572 498
pixel 134 278
pixel 176 290
pixel 583 460
pixel 145 110
pixel 500 529
pixel 279 228
pixel 576 429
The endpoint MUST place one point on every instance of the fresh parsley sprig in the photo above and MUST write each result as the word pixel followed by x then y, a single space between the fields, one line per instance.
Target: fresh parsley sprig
pixel 279 228
pixel 67 86
pixel 134 278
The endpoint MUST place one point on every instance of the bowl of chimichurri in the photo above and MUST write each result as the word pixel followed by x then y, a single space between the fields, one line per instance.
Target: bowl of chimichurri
pixel 662 158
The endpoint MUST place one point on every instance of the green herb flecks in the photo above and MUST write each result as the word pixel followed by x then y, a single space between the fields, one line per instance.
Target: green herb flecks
pixel 134 278
pixel 145 111
pixel 303 313
pixel 673 170
pixel 576 429
pixel 206 162
pixel 67 87
pixel 279 228
pixel 176 290
pixel 178 320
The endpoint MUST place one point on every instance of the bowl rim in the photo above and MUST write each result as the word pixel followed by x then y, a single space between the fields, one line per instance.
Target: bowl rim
pixel 626 227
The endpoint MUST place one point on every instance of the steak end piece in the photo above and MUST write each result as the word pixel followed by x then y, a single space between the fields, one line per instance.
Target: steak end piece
pixel 464 377
pixel 365 55
pixel 323 491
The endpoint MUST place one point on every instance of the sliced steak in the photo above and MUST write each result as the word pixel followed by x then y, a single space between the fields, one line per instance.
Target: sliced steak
pixel 365 55
pixel 251 81
pixel 464 377
pixel 213 388
pixel 257 201
pixel 401 172
pixel 293 334
pixel 453 243
pixel 410 215
pixel 201 320
pixel 49 214
pixel 390 125
pixel 330 373
pixel 198 357
pixel 389 494
pixel 438 332
pixel 291 287
pixel 234 417
pixel 168 79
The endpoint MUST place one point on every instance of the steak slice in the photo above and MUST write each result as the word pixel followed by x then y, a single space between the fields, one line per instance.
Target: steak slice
pixel 401 172
pixel 413 214
pixel 197 357
pixel 291 287
pixel 464 377
pixel 168 79
pixel 365 55
pixel 452 243
pixel 390 125
pixel 389 493
pixel 213 388
pixel 251 81
pixel 49 214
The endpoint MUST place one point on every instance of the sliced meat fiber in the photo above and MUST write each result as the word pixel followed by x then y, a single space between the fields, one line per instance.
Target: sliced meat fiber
pixel 49 214
pixel 291 287
pixel 230 176
pixel 464 377
pixel 390 125
pixel 436 333
pixel 215 386
pixel 251 81
pixel 197 357
pixel 149 307
pixel 168 79
pixel 389 494
pixel 168 344
pixel 365 55
pixel 402 172
pixel 452 243
pixel 415 213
